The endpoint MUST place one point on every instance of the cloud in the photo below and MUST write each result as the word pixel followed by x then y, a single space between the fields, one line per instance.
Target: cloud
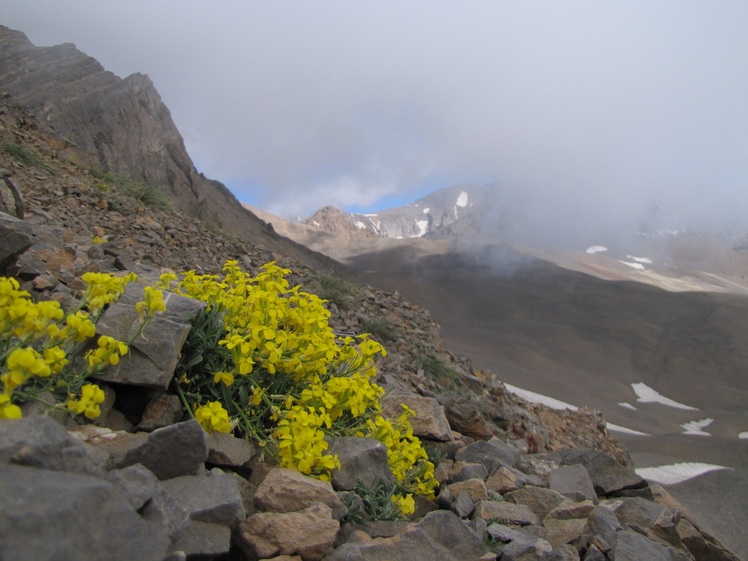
pixel 586 113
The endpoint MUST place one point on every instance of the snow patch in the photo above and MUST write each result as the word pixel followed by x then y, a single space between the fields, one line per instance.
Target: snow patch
pixel 627 406
pixel 533 397
pixel 596 249
pixel 426 210
pixel 697 427
pixel 637 266
pixel 360 225
pixel 618 428
pixel 743 435
pixel 462 200
pixel 677 473
pixel 645 260
pixel 645 394
pixel 422 226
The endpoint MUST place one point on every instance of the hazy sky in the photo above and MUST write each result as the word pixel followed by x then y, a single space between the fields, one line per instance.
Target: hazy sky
pixel 581 110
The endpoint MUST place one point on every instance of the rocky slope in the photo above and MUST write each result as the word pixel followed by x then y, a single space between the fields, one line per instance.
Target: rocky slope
pixel 122 126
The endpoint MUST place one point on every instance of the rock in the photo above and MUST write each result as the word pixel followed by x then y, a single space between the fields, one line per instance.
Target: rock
pixel 702 546
pixel 214 498
pixel 504 480
pixel 563 531
pixel 361 459
pixel 429 421
pixel 465 470
pixel 538 499
pixel 465 418
pixel 287 490
pixel 16 236
pixel 227 450
pixel 204 539
pixel 506 534
pixel 574 482
pixel 463 505
pixel 632 546
pixel 44 443
pixel 475 488
pixel 162 411
pixel 608 476
pixel 564 552
pixel 138 483
pixel 535 549
pixel 594 554
pixel 566 510
pixel 505 513
pixel 604 523
pixel 60 515
pixel 309 532
pixel 176 450
pixel 492 454
pixel 438 535
pixel 153 357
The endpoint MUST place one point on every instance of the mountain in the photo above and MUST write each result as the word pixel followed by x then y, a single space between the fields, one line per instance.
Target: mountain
pixel 450 212
pixel 123 126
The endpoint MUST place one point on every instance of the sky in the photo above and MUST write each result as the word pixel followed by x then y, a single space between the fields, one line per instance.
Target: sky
pixel 586 112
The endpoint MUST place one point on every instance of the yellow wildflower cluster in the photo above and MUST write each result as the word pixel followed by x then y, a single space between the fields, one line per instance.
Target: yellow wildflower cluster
pixel 39 343
pixel 288 379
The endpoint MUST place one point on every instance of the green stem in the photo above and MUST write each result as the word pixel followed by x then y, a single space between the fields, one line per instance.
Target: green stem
pixel 183 399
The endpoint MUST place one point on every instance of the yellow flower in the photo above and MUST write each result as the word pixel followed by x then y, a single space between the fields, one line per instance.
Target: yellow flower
pixel 109 351
pixel 406 503
pixel 153 303
pixel 7 409
pixel 91 396
pixel 213 417
pixel 226 377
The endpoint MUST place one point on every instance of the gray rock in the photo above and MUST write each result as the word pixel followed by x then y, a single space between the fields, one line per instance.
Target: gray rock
pixel 138 483
pixel 176 450
pixel 632 546
pixel 429 420
pixel 608 476
pixel 361 459
pixel 702 546
pixel 564 552
pixel 562 531
pixel 227 450
pixel 534 549
pixel 44 443
pixel 506 534
pixel 16 236
pixel 463 505
pixel 594 554
pixel 466 470
pixel 204 539
pixel 152 357
pixel 438 535
pixel 57 515
pixel 163 410
pixel 538 499
pixel 603 522
pixel 287 490
pixel 492 454
pixel 214 498
pixel 574 482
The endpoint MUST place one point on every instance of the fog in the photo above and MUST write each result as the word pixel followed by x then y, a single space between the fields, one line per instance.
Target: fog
pixel 589 115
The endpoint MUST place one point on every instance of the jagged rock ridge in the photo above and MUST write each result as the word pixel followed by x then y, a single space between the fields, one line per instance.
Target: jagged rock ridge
pixel 123 126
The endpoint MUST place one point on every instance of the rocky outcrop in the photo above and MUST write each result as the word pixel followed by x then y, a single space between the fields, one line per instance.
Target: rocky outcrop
pixel 123 126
